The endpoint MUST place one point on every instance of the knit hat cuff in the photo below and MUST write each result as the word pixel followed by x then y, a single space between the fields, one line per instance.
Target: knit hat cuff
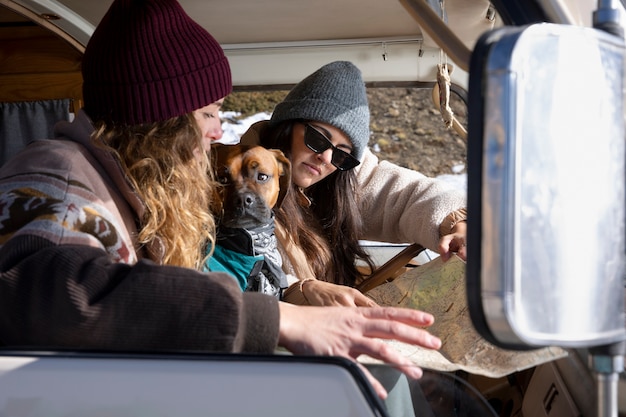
pixel 146 102
pixel 354 122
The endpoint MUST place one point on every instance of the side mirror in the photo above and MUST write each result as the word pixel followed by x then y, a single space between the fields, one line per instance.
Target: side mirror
pixel 546 187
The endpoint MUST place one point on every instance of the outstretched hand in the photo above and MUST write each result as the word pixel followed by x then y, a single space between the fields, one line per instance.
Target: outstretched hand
pixel 455 242
pixel 351 332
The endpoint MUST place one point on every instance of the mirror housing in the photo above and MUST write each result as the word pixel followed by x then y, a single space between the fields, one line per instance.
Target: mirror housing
pixel 546 187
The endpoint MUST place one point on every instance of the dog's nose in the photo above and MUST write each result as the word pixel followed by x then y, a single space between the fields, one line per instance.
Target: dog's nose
pixel 245 199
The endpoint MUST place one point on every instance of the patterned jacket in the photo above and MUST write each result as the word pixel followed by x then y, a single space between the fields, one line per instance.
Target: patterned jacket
pixel 72 275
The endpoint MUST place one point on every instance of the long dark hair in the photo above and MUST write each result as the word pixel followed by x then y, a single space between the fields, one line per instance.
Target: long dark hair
pixel 334 215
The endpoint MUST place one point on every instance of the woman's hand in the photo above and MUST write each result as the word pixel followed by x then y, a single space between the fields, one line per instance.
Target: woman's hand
pixel 455 242
pixel 351 332
pixel 321 293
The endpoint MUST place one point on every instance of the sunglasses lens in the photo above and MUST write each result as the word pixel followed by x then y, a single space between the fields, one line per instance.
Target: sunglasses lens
pixel 318 143
pixel 343 160
pixel 315 140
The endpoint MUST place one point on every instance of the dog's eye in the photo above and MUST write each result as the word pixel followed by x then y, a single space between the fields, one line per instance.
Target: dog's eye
pixel 261 177
pixel 222 180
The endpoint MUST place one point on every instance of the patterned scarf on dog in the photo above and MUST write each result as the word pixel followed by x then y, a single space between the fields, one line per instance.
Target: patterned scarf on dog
pixel 251 256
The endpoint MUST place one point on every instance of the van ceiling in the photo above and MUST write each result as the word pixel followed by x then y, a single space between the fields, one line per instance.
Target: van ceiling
pixel 253 21
pixel 301 34
pixel 284 20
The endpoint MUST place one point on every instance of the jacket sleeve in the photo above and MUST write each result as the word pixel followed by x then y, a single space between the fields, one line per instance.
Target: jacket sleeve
pixel 74 296
pixel 401 205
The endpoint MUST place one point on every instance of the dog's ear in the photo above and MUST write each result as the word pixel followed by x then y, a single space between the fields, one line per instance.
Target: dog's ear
pixel 284 170
pixel 214 154
pixel 220 154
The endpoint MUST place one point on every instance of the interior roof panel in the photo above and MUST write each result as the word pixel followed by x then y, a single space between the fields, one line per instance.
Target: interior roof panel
pixel 283 40
pixel 288 21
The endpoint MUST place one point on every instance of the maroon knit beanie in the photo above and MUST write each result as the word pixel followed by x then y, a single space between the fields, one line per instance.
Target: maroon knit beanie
pixel 148 61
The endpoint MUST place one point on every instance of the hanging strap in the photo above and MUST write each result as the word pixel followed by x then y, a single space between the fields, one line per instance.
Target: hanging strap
pixel 458 128
pixel 443 82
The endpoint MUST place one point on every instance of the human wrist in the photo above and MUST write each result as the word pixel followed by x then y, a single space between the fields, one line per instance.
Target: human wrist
pixel 302 283
pixel 459 226
pixel 286 324
pixel 451 221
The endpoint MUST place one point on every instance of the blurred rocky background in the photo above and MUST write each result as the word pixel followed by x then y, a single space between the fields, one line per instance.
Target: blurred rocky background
pixel 406 127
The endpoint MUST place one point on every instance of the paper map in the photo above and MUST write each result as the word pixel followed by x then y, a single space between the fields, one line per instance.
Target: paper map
pixel 438 287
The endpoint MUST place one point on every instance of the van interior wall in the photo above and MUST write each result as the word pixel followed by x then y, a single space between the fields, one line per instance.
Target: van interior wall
pixel 40 78
pixel 35 64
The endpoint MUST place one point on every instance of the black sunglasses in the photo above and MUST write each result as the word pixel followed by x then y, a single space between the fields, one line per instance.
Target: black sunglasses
pixel 318 143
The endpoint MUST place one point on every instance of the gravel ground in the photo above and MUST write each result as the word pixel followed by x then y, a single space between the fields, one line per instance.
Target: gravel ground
pixel 408 130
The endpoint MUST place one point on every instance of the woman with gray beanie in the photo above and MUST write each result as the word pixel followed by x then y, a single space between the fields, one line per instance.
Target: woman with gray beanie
pixel 344 193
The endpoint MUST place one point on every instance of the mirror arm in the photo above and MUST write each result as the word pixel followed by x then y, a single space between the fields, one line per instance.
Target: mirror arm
pixel 607 18
pixel 439 31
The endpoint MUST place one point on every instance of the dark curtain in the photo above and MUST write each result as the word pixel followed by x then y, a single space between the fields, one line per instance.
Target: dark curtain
pixel 23 122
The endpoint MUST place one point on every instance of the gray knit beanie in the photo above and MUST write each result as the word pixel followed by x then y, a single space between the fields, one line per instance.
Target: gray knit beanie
pixel 334 94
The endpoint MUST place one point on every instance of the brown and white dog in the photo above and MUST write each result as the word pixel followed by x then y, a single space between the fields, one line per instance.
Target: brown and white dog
pixel 253 181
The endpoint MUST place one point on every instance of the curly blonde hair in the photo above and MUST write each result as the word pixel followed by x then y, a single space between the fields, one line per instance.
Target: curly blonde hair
pixel 175 182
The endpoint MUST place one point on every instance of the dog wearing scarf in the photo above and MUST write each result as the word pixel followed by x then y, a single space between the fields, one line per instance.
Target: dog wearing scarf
pixel 253 181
